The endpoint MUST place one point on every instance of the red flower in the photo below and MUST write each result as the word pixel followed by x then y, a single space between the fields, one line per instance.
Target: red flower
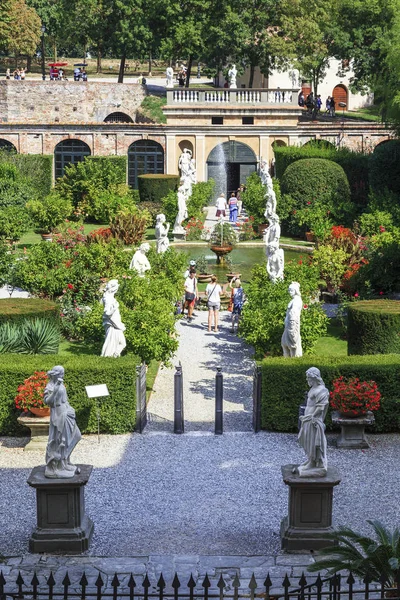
pixel 381 228
pixel 356 295
pixel 30 393
pixel 70 286
pixel 354 396
pixel 381 293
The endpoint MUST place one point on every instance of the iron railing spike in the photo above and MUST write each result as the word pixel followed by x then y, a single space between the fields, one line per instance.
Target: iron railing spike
pixel 51 582
pixel 115 581
pixel 131 582
pixel 350 580
pixel 2 579
pixel 35 580
pixel 83 581
pixel 191 582
pixel 253 583
pixel 221 582
pixel 267 582
pixel 161 582
pixel 236 581
pixel 99 581
pixel 66 581
pixel 286 581
pixel 303 580
pixel 146 582
pixel 176 583
pixel 19 580
pixel 206 582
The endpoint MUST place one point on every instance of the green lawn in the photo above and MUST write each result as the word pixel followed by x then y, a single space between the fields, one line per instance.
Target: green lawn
pixel 370 113
pixel 333 343
pixel 31 237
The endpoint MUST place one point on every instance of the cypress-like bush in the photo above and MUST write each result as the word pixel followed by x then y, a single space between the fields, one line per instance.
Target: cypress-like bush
pixel 17 310
pixel 119 164
pixel 384 167
pixel 374 327
pixel 36 168
pixel 117 411
pixel 153 187
pixel 284 385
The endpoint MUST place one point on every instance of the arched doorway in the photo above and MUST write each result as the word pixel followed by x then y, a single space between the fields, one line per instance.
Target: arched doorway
pixel 229 164
pixel 8 146
pixel 118 117
pixel 69 152
pixel 340 94
pixel 144 156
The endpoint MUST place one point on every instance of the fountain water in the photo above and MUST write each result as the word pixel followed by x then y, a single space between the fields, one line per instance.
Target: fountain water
pixel 219 171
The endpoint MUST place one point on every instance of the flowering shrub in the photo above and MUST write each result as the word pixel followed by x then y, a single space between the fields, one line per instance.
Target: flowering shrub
pixel 246 230
pixel 30 393
pixel 68 235
pixel 354 397
pixel 103 234
pixel 194 229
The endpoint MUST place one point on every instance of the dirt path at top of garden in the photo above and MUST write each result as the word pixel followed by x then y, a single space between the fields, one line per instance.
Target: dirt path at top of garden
pixel 200 353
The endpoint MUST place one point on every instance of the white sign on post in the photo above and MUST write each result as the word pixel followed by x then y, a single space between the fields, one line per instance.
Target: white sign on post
pixel 97 391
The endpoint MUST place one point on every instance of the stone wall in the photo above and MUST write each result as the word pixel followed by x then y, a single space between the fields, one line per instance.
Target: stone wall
pixel 67 102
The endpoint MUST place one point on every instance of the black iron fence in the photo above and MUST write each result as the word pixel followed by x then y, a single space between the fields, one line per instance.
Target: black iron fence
pixel 336 587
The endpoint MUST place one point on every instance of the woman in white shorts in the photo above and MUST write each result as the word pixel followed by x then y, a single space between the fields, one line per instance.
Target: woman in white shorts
pixel 213 291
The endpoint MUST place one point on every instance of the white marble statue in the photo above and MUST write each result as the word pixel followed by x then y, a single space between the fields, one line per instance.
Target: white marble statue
pixel 114 341
pixel 291 339
pixel 64 433
pixel 182 209
pixel 312 432
pixel 140 262
pixel 232 74
pixel 273 233
pixel 184 163
pixel 270 195
pixel 169 73
pixel 193 171
pixel 162 230
pixel 275 262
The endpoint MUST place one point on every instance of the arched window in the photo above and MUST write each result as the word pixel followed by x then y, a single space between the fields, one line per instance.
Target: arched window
pixel 6 145
pixel 144 156
pixel 69 152
pixel 118 117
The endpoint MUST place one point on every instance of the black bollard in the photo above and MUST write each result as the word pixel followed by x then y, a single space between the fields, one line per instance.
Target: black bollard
pixel 178 401
pixel 219 396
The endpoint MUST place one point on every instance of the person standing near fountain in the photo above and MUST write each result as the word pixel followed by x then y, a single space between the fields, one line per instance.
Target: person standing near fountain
pixel 191 293
pixel 221 206
pixel 233 208
pixel 213 292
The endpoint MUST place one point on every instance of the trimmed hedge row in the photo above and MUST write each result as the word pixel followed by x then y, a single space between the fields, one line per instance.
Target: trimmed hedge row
pixel 117 411
pixel 19 309
pixel 153 187
pixel 37 168
pixel 374 327
pixel 284 385
pixel 354 164
pixel 120 164
pixel 384 171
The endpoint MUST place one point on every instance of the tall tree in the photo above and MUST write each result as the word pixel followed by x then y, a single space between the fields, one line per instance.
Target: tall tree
pixel 54 15
pixel 5 23
pixel 25 29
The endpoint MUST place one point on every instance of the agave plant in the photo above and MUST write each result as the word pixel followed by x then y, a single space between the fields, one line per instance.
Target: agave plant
pixel 10 338
pixel 378 559
pixel 39 336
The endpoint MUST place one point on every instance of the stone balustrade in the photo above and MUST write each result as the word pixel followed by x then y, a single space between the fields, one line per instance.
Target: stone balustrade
pixel 260 97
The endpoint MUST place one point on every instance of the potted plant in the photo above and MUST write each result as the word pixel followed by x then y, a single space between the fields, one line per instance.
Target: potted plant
pixel 30 394
pixel 202 269
pixel 223 239
pixel 354 398
pixel 49 212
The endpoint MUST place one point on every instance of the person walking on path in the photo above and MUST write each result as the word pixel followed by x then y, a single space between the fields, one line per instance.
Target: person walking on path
pixel 191 293
pixel 221 206
pixel 238 299
pixel 213 291
pixel 233 208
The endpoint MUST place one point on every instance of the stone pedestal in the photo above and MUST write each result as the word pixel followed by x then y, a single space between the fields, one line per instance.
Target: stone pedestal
pixel 179 236
pixel 352 430
pixel 39 427
pixel 309 517
pixel 62 524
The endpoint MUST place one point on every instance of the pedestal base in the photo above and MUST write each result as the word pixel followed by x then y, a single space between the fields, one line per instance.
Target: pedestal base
pixel 62 525
pixel 179 236
pixel 309 517
pixel 352 430
pixel 39 427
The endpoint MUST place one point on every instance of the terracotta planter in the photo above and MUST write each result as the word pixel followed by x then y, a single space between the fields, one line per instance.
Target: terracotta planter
pixel 47 237
pixel 40 412
pixel 221 251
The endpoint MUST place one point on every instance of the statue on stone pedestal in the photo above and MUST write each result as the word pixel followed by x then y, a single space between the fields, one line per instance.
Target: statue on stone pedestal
pixel 270 195
pixel 114 341
pixel 275 262
pixel 64 433
pixel 193 171
pixel 291 339
pixel 140 262
pixel 232 74
pixel 312 432
pixel 273 233
pixel 162 230
pixel 182 209
pixel 170 77
pixel 184 163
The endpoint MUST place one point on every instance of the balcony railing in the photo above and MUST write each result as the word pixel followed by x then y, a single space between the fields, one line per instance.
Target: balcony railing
pixel 260 97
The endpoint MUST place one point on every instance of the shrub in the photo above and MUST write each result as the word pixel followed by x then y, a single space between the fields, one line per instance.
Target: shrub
pixel 39 336
pixel 49 212
pixel 118 164
pixel 194 229
pixel 15 190
pixel 170 206
pixel 316 185
pixel 18 310
pixel 117 411
pixel 264 313
pixel 130 227
pixel 69 234
pixel 202 195
pixel 284 385
pixel 246 230
pixel 373 327
pixel 254 199
pixel 37 169
pixel 9 337
pixel 375 222
pixel 102 205
pixel 153 208
pixel 384 172
pixel 387 201
pixel 332 264
pixel 14 222
pixel 153 187
pixel 354 397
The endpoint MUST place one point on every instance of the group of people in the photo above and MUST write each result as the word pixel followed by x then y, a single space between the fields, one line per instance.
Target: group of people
pixel 80 74
pixel 213 295
pixel 234 205
pixel 18 74
pixel 314 104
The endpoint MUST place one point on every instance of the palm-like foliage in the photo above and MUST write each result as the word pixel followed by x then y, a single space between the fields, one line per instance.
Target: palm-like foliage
pixel 9 338
pixel 39 336
pixel 364 556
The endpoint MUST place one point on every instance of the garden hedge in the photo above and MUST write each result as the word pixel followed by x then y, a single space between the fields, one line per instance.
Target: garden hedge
pixel 117 411
pixel 119 163
pixel 284 385
pixel 354 164
pixel 153 187
pixel 37 168
pixel 20 309
pixel 384 171
pixel 374 327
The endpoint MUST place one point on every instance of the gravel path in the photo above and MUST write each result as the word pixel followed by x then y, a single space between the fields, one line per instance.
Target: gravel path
pixel 200 353
pixel 166 494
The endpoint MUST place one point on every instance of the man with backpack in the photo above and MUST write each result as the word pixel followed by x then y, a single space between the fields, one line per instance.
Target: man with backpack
pixel 238 300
